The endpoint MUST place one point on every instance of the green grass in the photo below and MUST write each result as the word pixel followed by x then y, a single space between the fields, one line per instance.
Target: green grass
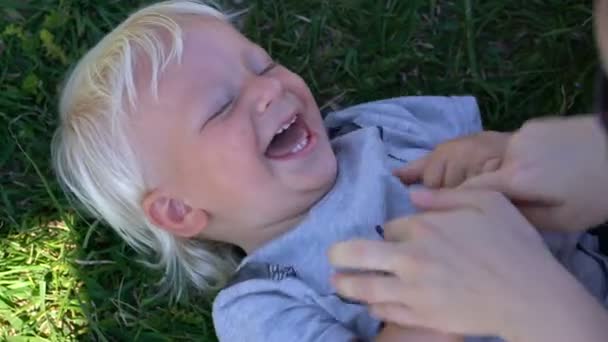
pixel 65 277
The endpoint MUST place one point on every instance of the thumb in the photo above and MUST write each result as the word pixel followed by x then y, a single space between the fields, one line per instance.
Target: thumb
pixel 450 199
pixel 502 181
pixel 494 181
pixel 412 172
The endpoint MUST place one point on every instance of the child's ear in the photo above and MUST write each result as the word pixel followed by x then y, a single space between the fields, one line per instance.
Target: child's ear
pixel 174 215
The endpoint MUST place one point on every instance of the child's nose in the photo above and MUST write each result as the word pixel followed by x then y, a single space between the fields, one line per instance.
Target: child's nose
pixel 264 91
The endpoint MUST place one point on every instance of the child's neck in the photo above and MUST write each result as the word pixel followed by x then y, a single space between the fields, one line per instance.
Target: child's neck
pixel 272 231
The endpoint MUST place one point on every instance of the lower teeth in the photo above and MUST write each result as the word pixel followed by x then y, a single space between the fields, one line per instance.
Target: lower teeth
pixel 300 146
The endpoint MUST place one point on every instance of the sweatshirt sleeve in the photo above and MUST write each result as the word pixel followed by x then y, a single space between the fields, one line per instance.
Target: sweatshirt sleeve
pixel 412 126
pixel 269 311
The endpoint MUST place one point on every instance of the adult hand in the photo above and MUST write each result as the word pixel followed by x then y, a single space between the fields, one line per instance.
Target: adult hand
pixel 473 266
pixel 556 172
pixel 454 161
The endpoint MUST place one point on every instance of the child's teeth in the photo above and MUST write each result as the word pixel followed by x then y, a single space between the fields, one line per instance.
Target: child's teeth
pixel 300 145
pixel 286 126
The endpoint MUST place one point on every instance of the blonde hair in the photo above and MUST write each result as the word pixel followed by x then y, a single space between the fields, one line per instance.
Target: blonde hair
pixel 95 161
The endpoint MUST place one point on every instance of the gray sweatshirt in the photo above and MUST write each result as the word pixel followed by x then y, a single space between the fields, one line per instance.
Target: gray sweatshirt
pixel 282 291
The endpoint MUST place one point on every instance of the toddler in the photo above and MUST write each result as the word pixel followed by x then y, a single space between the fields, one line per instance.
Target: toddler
pixel 190 141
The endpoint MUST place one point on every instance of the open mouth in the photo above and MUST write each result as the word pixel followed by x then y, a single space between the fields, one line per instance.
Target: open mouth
pixel 289 140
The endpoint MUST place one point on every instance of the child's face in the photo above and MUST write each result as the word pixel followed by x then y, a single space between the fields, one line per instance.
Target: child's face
pixel 210 145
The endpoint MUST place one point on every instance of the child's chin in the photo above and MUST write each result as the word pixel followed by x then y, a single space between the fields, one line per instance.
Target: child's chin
pixel 328 171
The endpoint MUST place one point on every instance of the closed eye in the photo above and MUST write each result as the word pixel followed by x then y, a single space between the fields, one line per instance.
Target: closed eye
pixel 270 66
pixel 225 107
pixel 218 113
pixel 221 110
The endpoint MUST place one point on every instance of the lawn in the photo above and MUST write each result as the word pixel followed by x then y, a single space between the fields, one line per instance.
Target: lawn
pixel 64 276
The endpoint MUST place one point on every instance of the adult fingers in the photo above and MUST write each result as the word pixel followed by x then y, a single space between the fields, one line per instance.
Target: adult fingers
pixel 396 313
pixel 365 255
pixel 406 228
pixel 454 174
pixel 370 288
pixel 488 180
pixel 501 181
pixel 434 171
pixel 412 172
pixel 491 165
pixel 481 167
pixel 452 199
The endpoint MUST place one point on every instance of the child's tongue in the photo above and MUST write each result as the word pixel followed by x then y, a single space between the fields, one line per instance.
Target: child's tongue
pixel 282 144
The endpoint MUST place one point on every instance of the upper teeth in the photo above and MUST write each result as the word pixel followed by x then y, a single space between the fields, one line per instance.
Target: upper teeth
pixel 286 126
